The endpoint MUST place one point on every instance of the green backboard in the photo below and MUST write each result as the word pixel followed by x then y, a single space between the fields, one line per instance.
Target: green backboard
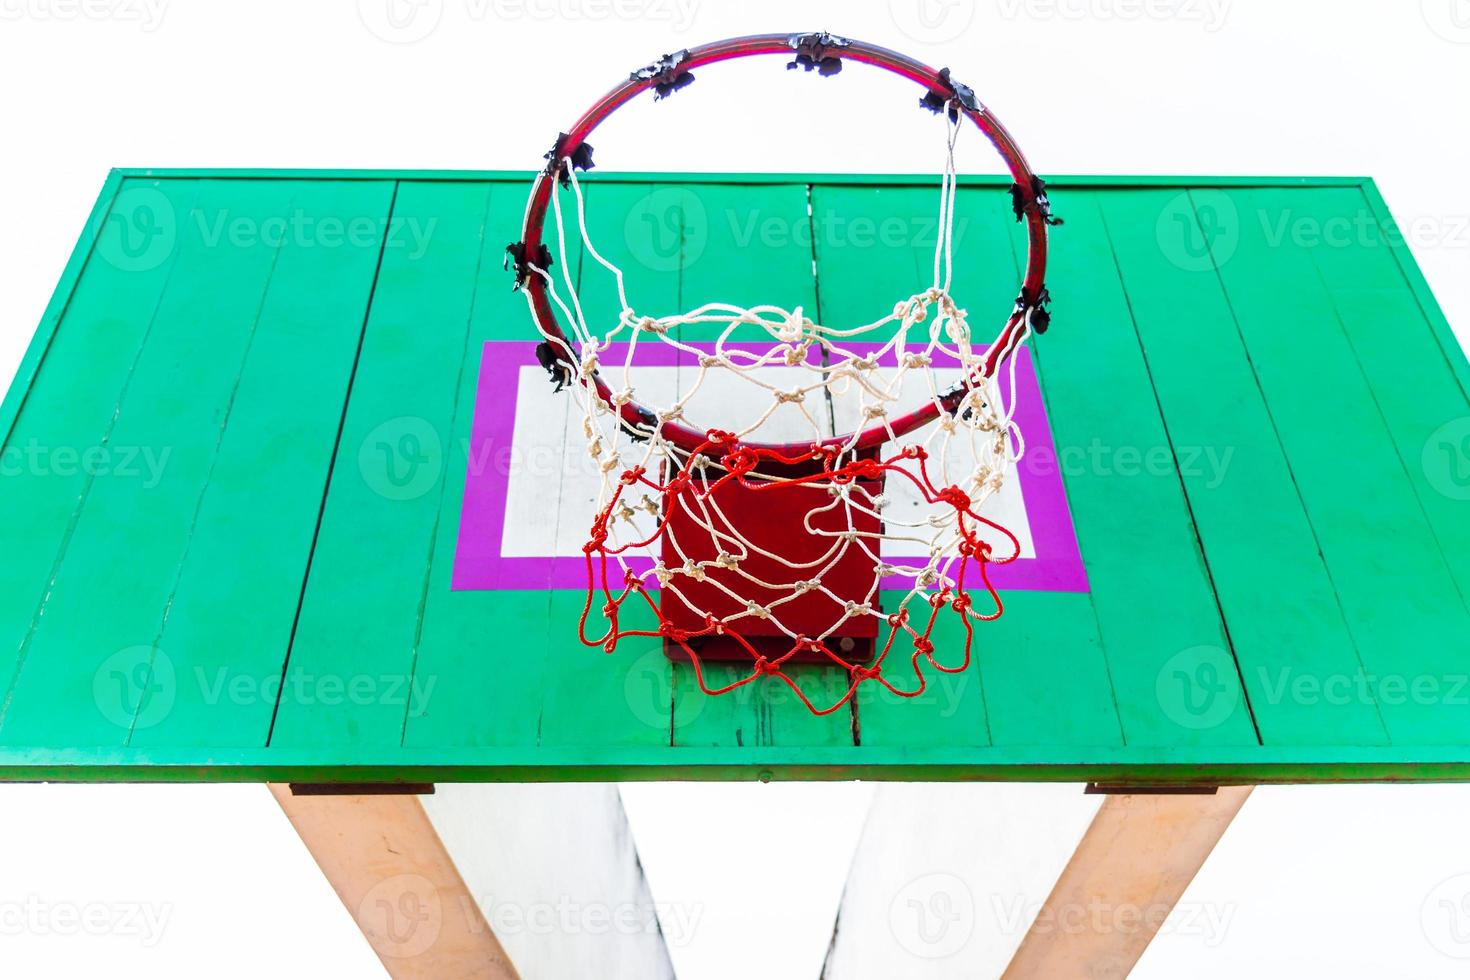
pixel 285 495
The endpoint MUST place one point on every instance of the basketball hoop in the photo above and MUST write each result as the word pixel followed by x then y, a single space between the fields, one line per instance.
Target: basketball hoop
pixel 770 551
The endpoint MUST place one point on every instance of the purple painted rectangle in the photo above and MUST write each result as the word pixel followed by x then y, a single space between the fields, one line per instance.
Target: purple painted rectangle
pixel 479 565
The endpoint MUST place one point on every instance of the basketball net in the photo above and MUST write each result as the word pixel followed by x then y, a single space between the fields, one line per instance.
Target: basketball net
pixel 658 500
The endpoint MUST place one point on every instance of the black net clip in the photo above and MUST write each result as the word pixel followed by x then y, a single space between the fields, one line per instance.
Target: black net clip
pixel 560 371
pixel 953 96
pixel 515 252
pixel 1040 316
pixel 666 74
pixel 647 419
pixel 820 52
pixel 555 159
pixel 1021 202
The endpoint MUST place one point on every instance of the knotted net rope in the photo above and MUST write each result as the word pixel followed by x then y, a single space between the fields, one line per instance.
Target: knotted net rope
pixel 807 374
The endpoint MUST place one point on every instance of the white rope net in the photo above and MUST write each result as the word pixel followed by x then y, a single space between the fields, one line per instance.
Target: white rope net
pixel 765 375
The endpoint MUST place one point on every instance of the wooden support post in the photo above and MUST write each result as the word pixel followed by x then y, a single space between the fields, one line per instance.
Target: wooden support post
pixel 389 867
pixel 1139 854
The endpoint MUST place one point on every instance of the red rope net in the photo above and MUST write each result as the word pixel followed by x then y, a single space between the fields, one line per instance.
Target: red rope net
pixel 692 492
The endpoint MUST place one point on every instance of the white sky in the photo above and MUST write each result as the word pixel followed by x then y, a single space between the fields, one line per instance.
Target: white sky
pixel 1329 881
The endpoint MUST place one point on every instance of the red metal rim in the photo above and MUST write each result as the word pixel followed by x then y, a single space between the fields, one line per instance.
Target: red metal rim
pixel 686 437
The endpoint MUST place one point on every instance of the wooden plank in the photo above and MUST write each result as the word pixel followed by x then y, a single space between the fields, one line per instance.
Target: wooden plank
pixel 231 608
pixel 1133 864
pixel 1411 377
pixel 1263 560
pixel 1397 246
pixel 71 407
pixel 1170 663
pixel 873 247
pixel 879 248
pixel 360 609
pixel 751 248
pixel 478 696
pixel 86 669
pixel 587 697
pixel 1397 592
pixel 542 696
pixel 399 883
